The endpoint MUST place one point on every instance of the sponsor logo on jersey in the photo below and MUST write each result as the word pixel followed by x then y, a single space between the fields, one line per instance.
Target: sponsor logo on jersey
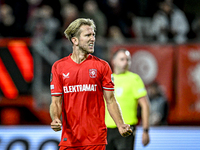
pixel 51 87
pixel 65 75
pixel 93 73
pixel 79 88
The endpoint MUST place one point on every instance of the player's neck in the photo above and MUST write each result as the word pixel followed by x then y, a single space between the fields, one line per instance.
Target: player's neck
pixel 78 57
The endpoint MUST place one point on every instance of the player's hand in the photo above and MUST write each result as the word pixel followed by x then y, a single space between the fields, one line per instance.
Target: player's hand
pixel 125 130
pixel 145 138
pixel 56 125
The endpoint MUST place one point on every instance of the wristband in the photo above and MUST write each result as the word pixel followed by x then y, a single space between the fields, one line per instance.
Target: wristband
pixel 146 130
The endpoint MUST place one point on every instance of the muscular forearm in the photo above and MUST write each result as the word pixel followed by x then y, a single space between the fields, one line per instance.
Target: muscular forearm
pixel 55 112
pixel 115 112
pixel 55 108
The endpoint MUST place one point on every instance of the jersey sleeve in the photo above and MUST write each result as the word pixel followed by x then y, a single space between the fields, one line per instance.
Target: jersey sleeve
pixel 139 88
pixel 55 83
pixel 107 81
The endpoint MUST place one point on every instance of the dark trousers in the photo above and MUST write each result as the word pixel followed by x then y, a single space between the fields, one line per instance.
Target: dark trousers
pixel 117 142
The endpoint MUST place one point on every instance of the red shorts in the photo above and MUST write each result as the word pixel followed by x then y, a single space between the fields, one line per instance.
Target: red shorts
pixel 90 147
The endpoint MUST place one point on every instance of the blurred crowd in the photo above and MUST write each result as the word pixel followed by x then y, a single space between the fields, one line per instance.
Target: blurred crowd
pixel 117 21
pixel 143 20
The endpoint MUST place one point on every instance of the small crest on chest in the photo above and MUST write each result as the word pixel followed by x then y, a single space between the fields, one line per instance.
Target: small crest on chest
pixel 93 73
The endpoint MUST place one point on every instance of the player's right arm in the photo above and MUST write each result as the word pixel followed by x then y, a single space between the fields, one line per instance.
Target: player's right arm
pixel 115 112
pixel 55 112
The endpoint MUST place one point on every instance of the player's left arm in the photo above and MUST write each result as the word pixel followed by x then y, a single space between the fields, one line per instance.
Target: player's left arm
pixel 145 107
pixel 115 112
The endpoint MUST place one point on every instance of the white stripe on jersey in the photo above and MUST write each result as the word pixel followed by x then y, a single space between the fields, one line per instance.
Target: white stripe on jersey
pixel 56 93
pixel 108 88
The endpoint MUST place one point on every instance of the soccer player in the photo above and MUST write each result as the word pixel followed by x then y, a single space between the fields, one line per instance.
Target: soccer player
pixel 129 91
pixel 79 84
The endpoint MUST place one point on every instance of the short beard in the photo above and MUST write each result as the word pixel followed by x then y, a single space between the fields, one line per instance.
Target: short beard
pixel 84 50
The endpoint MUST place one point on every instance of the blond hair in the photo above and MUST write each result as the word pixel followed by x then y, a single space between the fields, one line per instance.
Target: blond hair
pixel 73 29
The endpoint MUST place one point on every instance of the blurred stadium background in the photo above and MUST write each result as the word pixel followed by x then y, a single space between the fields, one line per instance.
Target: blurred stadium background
pixel 25 65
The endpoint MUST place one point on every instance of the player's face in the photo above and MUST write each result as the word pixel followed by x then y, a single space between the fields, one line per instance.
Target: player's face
pixel 87 39
pixel 122 61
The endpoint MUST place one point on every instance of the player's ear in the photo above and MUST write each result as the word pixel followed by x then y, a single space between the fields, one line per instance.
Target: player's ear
pixel 74 40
